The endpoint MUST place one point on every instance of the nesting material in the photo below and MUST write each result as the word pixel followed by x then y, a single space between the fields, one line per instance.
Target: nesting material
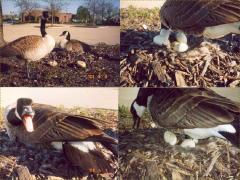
pixel 151 158
pixel 207 63
pixel 61 68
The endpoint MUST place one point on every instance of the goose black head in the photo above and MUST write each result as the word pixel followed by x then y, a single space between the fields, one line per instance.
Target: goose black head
pixel 45 15
pixel 44 19
pixel 25 113
pixel 140 104
pixel 66 34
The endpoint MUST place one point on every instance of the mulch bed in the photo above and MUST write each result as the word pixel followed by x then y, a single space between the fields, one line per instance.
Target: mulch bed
pixel 61 68
pixel 207 63
pixel 144 154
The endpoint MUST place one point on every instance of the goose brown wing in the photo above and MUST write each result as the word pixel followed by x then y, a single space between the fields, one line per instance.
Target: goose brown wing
pixel 51 124
pixel 19 46
pixel 191 108
pixel 193 16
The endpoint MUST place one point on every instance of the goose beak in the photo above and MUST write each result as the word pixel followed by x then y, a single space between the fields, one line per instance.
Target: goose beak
pixel 28 123
pixel 28 115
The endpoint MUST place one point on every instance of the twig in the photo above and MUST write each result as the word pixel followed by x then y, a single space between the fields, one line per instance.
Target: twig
pixel 214 159
pixel 207 63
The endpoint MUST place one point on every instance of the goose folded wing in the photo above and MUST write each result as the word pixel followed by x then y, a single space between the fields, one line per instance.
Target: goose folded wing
pixel 64 127
pixel 192 108
pixel 51 124
pixel 17 47
pixel 196 15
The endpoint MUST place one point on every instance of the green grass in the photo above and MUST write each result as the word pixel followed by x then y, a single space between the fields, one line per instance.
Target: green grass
pixel 132 17
pixel 125 121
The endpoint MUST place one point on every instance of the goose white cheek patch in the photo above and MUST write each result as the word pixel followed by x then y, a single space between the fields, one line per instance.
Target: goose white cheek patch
pixel 28 123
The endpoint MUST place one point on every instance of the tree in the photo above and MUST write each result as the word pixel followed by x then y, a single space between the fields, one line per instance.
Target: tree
pixel 54 6
pixel 83 14
pixel 92 7
pixel 102 7
pixel 2 42
pixel 26 7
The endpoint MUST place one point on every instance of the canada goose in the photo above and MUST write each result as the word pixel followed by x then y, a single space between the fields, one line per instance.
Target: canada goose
pixel 31 48
pixel 208 18
pixel 79 137
pixel 73 45
pixel 200 113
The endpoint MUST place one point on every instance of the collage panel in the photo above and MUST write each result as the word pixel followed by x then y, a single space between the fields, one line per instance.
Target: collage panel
pixel 180 43
pixel 179 133
pixel 47 133
pixel 70 43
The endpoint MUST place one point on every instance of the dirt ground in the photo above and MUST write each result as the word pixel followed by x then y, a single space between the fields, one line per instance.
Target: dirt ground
pixel 48 163
pixel 90 35
pixel 208 63
pixel 143 154
pixel 61 68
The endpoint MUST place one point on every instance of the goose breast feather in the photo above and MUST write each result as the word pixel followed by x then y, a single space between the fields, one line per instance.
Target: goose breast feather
pixel 191 108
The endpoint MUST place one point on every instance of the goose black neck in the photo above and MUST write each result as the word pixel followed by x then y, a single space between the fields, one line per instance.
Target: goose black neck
pixel 233 137
pixel 68 37
pixel 13 119
pixel 143 95
pixel 43 27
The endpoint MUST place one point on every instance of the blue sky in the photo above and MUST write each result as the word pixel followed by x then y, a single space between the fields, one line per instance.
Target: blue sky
pixel 9 5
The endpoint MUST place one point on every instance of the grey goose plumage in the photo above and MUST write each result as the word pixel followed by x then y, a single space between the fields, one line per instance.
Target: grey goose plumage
pixel 72 44
pixel 32 47
pixel 79 137
pixel 199 112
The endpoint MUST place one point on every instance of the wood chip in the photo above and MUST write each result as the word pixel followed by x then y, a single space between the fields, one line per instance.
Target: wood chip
pixel 180 80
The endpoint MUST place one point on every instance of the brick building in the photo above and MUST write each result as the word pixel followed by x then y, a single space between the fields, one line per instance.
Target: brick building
pixel 59 17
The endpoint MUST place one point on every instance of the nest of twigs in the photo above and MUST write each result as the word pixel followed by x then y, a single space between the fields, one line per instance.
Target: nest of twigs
pixel 62 68
pixel 207 63
pixel 144 154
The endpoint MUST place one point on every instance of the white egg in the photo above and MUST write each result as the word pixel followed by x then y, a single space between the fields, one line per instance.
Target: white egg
pixel 179 47
pixel 170 138
pixel 181 37
pixel 160 40
pixel 188 143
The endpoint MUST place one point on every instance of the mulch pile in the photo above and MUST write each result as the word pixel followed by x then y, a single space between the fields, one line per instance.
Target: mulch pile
pixel 144 154
pixel 18 160
pixel 207 63
pixel 61 68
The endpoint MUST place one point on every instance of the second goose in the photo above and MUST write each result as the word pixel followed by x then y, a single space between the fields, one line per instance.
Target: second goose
pixel 73 45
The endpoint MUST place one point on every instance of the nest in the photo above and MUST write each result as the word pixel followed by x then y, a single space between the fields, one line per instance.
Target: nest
pixel 207 63
pixel 144 154
pixel 62 68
